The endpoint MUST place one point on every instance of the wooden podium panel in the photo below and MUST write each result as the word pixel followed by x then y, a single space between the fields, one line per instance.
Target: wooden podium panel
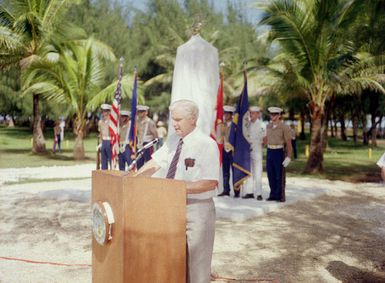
pixel 149 234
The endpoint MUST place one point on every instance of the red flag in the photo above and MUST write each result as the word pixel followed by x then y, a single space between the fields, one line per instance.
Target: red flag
pixel 114 118
pixel 217 135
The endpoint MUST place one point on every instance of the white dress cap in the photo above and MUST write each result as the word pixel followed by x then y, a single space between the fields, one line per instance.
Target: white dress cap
pixel 105 106
pixel 254 109
pixel 228 108
pixel 275 110
pixel 125 113
pixel 142 107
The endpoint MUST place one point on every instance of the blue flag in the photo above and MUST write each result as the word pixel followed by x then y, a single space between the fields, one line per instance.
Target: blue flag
pixel 134 102
pixel 241 147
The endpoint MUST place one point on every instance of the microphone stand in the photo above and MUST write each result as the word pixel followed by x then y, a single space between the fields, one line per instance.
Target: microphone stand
pixel 133 163
pixel 139 155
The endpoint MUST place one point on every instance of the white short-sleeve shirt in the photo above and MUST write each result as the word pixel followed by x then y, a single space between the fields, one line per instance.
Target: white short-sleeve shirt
pixel 199 149
pixel 381 161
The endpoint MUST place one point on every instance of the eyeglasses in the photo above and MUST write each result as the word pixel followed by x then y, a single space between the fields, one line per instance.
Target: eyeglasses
pixel 274 114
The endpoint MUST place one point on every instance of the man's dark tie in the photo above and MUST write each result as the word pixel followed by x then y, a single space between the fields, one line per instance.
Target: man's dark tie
pixel 172 170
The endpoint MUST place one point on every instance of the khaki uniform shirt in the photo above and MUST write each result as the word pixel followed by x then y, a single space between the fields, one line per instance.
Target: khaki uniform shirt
pixel 104 129
pixel 277 135
pixel 124 132
pixel 146 131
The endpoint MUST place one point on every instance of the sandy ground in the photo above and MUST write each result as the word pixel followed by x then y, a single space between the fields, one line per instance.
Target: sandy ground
pixel 326 231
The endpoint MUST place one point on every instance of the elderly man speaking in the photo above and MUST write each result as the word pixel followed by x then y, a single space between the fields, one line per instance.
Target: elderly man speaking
pixel 192 156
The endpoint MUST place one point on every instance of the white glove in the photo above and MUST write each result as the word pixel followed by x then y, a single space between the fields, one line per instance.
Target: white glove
pixel 98 147
pixel 286 161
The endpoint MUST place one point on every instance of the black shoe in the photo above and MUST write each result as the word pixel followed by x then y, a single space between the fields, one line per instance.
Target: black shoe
pixel 224 194
pixel 259 197
pixel 236 194
pixel 270 199
pixel 248 196
pixel 282 200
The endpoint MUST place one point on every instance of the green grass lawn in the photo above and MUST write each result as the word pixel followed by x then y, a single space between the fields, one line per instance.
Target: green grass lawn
pixel 342 160
pixel 16 144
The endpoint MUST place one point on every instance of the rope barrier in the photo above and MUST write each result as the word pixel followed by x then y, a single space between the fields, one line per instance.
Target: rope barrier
pixel 44 262
pixel 213 277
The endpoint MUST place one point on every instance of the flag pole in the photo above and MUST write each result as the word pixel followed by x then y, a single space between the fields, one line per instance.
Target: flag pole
pixel 115 116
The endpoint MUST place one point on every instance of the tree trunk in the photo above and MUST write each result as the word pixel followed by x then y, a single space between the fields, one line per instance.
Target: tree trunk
pixel 335 122
pixel 324 134
pixel 343 128
pixel 314 162
pixel 38 144
pixel 355 127
pixel 79 153
pixel 11 123
pixel 302 135
pixel 325 124
pixel 374 136
pixel 374 130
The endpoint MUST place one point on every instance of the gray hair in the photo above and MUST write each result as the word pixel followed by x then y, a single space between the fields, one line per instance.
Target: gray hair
pixel 189 107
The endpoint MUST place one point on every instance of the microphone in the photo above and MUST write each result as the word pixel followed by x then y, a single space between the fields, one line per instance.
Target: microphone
pixel 148 145
pixel 140 153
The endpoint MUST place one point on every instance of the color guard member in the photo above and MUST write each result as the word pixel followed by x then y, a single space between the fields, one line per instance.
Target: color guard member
pixel 227 153
pixel 124 147
pixel 278 137
pixel 147 132
pixel 104 136
pixel 255 131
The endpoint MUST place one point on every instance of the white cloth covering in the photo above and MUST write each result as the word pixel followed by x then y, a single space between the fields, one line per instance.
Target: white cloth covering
pixel 196 78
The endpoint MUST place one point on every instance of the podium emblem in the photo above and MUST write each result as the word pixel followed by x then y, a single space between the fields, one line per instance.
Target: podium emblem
pixel 102 220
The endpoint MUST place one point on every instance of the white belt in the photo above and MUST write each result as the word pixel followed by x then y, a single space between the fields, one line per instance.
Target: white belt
pixel 273 146
pixel 106 138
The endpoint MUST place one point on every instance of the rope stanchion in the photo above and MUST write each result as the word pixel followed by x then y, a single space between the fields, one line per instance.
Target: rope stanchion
pixel 44 262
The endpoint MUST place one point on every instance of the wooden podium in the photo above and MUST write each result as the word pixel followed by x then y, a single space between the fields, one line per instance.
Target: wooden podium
pixel 149 234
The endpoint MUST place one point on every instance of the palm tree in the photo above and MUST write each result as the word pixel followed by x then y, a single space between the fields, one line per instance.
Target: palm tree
pixel 74 77
pixel 27 27
pixel 312 37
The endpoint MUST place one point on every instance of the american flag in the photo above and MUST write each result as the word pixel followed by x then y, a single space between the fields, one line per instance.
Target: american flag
pixel 114 118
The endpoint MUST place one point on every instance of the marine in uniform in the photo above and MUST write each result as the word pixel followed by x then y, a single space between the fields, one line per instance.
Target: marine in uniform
pixel 104 137
pixel 181 157
pixel 227 152
pixel 278 140
pixel 146 130
pixel 124 147
pixel 255 131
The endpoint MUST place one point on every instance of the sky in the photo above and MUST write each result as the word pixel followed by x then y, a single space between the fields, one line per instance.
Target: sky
pixel 248 7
